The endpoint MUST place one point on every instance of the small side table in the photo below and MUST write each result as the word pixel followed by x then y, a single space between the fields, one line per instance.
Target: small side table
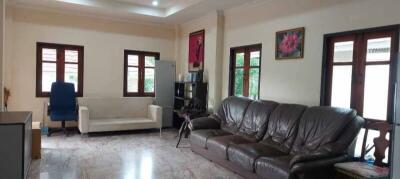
pixel 361 170
pixel 36 140
pixel 187 116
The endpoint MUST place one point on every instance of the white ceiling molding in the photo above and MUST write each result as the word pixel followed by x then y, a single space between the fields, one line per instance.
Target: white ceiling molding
pixel 168 11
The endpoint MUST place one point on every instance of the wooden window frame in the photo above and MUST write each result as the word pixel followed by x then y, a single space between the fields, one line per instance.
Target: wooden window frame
pixel 360 63
pixel 232 67
pixel 60 65
pixel 141 72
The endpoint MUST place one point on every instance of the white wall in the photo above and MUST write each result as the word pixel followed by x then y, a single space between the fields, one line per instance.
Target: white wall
pixel 294 81
pixel 212 23
pixel 2 39
pixel 298 81
pixel 104 42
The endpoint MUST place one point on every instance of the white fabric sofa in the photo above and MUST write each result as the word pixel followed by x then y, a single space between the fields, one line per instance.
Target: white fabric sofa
pixel 118 114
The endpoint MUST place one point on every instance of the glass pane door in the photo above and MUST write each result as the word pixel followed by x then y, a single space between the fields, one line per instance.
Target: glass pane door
pixel 342 56
pixel 376 80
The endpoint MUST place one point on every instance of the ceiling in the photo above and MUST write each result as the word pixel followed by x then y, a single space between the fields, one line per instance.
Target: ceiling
pixel 167 12
pixel 161 3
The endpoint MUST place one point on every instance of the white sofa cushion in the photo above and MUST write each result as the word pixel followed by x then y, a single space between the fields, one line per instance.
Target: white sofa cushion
pixel 106 108
pixel 120 124
pixel 115 114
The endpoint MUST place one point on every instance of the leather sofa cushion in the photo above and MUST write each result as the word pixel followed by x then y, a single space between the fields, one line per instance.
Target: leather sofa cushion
pixel 245 155
pixel 219 145
pixel 199 137
pixel 320 126
pixel 283 126
pixel 274 167
pixel 231 112
pixel 256 118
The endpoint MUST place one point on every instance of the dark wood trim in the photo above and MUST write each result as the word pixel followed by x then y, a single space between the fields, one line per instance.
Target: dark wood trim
pixel 367 30
pixel 246 50
pixel 141 71
pixel 60 65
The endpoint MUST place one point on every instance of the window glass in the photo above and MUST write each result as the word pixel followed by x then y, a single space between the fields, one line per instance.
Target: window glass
pixel 71 75
pixel 149 80
pixel 49 55
pixel 239 59
pixel 49 75
pixel 239 82
pixel 133 60
pixel 254 82
pixel 149 61
pixel 71 56
pixel 341 86
pixel 255 58
pixel 378 49
pixel 376 91
pixel 343 51
pixel 133 79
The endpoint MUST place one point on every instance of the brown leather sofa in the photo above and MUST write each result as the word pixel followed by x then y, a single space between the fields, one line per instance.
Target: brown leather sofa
pixel 265 139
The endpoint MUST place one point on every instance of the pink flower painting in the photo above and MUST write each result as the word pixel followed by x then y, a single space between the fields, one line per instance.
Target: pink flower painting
pixel 289 44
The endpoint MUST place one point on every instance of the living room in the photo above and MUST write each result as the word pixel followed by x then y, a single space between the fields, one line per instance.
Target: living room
pixel 132 61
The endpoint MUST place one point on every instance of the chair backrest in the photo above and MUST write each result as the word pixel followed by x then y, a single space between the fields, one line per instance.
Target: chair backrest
pixel 380 142
pixel 62 97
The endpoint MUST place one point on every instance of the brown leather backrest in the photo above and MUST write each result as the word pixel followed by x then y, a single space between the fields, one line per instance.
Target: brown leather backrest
pixel 231 112
pixel 282 126
pixel 321 126
pixel 255 120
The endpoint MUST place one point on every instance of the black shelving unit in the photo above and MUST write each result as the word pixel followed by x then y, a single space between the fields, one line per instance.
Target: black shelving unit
pixel 190 96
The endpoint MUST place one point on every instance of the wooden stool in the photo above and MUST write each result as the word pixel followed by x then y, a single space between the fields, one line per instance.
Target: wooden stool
pixel 362 170
pixel 36 140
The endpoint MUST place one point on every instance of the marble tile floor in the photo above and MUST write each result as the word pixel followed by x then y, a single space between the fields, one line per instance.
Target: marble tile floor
pixel 134 155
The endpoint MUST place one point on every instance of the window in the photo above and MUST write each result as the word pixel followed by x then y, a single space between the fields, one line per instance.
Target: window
pixel 139 74
pixel 245 71
pixel 359 74
pixel 58 62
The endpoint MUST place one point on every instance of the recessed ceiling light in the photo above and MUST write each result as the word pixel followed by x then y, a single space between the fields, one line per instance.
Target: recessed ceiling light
pixel 155 3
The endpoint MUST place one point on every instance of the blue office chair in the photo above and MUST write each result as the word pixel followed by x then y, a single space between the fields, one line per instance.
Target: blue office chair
pixel 63 106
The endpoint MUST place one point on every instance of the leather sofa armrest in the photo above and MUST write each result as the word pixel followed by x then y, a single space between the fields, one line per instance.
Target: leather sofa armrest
pixel 155 113
pixel 317 163
pixel 83 122
pixel 307 157
pixel 204 123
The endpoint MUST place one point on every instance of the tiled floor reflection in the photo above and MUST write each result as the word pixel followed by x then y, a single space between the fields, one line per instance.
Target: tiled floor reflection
pixel 139 155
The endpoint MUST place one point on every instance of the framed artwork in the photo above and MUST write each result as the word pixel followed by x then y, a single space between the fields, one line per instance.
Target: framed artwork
pixel 196 51
pixel 289 44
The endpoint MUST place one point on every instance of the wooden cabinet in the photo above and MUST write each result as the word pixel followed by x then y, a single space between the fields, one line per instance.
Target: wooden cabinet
pixel 16 143
pixel 191 96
